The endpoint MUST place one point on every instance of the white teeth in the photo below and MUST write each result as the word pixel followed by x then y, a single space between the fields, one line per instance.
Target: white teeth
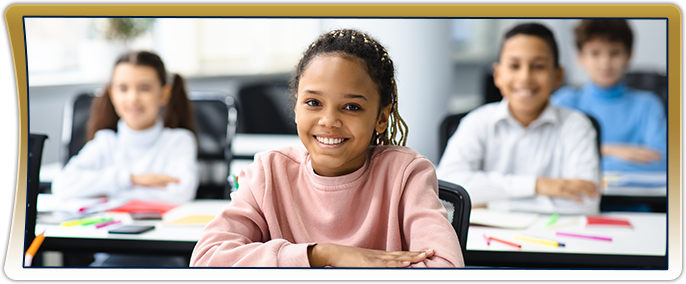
pixel 329 141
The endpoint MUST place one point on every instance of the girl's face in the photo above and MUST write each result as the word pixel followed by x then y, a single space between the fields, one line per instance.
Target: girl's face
pixel 605 61
pixel 337 112
pixel 137 95
pixel 526 74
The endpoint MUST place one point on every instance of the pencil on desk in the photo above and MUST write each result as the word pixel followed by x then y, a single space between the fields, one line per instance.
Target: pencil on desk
pixel 33 248
pixel 505 242
pixel 539 241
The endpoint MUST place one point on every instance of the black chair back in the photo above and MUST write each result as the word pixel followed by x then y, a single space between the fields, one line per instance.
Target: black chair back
pixel 648 81
pixel 456 197
pixel 36 142
pixel 447 129
pixel 265 108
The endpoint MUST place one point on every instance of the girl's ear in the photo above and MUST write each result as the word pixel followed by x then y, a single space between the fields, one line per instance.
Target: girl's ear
pixel 382 120
pixel 166 94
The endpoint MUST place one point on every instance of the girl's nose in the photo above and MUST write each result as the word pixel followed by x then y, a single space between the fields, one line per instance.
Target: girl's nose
pixel 329 118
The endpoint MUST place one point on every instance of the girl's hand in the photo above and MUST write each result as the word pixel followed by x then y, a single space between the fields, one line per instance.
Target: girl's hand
pixel 634 154
pixel 152 180
pixel 566 188
pixel 321 255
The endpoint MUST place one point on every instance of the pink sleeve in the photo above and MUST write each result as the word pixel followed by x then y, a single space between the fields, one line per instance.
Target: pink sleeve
pixel 239 236
pixel 425 221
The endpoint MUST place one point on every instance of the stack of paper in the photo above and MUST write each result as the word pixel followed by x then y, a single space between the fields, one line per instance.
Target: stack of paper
pixel 502 219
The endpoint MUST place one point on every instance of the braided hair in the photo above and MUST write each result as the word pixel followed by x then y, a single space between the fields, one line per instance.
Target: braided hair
pixel 347 42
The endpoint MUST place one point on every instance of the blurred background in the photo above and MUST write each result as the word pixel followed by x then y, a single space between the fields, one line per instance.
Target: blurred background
pixel 443 65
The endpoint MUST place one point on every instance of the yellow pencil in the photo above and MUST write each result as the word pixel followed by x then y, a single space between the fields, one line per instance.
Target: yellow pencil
pixel 539 241
pixel 33 248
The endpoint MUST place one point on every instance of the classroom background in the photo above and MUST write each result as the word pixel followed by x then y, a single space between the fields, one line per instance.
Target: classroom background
pixel 442 64
pixel 443 67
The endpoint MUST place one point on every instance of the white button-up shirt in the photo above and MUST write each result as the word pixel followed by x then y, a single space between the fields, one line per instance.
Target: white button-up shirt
pixel 497 159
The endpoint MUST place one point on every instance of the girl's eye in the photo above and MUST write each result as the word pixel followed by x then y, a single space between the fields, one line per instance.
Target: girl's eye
pixel 144 88
pixel 352 107
pixel 538 66
pixel 122 88
pixel 312 103
pixel 514 66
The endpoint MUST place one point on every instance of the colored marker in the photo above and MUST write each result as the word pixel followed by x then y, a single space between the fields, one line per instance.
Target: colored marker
pixel 82 209
pixel 584 236
pixel 488 241
pixel 504 242
pixel 101 220
pixel 553 219
pixel 33 248
pixel 539 241
pixel 79 221
pixel 105 224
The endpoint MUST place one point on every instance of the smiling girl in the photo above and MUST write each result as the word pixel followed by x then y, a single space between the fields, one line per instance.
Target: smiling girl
pixel 353 198
pixel 136 150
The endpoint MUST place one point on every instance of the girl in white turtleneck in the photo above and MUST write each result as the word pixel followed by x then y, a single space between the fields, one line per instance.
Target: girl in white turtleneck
pixel 136 151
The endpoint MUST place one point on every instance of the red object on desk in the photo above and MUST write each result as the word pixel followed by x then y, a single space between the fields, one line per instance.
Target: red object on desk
pixel 598 221
pixel 135 206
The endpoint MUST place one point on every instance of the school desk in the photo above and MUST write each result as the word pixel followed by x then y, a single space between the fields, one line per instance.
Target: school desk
pixel 643 246
pixel 165 239
pixel 654 196
pixel 244 146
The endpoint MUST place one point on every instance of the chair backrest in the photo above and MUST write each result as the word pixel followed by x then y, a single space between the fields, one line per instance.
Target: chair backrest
pixel 36 142
pixel 447 129
pixel 264 108
pixel 215 118
pixel 455 196
pixel 596 126
pixel 650 82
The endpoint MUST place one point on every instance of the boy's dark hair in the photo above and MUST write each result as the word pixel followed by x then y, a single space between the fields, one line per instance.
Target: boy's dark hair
pixel 605 29
pixel 355 44
pixel 178 112
pixel 537 30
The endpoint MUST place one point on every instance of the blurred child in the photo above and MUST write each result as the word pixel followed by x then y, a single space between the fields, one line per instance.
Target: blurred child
pixel 141 146
pixel 522 153
pixel 633 123
pixel 352 198
pixel 136 150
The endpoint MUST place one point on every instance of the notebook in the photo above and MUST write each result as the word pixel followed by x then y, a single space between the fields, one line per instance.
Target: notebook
pixel 607 222
pixel 502 219
pixel 135 205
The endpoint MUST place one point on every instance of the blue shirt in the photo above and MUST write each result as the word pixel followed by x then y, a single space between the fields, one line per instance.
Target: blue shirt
pixel 626 116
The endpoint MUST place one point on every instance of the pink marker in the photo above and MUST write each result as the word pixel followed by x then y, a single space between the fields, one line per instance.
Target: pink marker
pixel 91 206
pixel 98 226
pixel 488 240
pixel 584 236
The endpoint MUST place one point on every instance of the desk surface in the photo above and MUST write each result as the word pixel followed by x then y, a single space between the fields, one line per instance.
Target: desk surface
pixel 164 239
pixel 246 145
pixel 643 246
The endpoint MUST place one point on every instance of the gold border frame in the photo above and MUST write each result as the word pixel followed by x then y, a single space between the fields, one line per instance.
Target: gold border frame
pixel 14 20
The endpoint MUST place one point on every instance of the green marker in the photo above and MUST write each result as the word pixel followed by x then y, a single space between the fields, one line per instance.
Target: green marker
pixel 553 219
pixel 99 220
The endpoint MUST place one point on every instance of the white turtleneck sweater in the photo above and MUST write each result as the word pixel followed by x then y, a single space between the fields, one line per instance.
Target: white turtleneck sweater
pixel 105 164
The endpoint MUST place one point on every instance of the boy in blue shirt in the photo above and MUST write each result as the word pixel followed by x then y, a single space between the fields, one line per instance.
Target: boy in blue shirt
pixel 633 122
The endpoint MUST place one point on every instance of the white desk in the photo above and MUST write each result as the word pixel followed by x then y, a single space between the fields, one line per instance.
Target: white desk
pixel 164 239
pixel 643 246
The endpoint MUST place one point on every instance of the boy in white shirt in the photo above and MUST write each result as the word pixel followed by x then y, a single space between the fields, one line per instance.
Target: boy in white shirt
pixel 522 153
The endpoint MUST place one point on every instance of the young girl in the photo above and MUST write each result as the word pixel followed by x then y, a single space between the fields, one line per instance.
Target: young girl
pixel 136 151
pixel 351 199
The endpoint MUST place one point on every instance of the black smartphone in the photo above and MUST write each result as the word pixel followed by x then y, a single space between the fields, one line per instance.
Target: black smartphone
pixel 152 215
pixel 131 229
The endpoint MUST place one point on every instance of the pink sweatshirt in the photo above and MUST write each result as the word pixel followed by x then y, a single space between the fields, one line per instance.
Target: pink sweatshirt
pixel 391 203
